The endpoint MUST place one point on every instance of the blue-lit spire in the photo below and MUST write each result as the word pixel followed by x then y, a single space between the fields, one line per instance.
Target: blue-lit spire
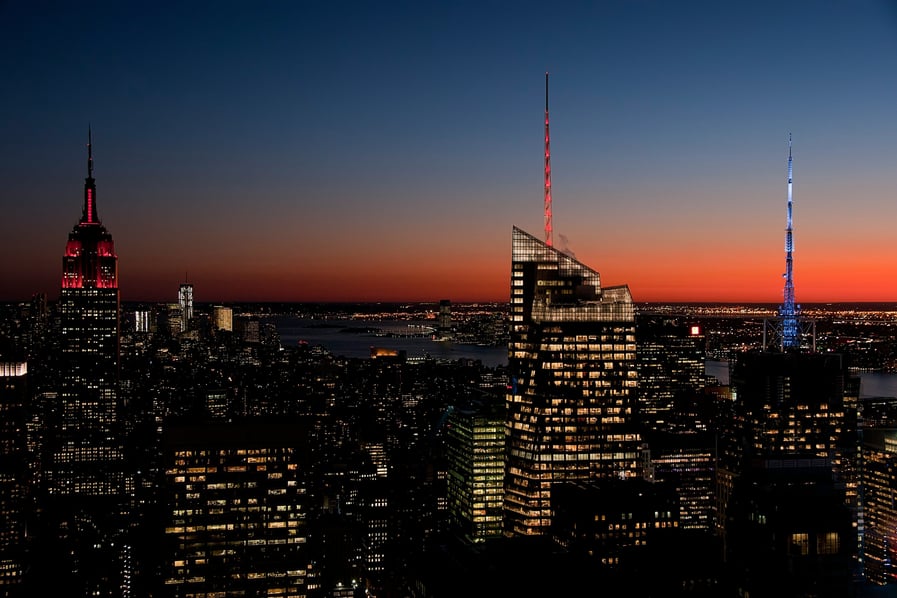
pixel 789 312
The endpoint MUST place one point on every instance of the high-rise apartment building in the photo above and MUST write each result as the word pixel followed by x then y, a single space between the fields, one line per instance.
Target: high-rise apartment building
pixel 86 483
pixel 571 401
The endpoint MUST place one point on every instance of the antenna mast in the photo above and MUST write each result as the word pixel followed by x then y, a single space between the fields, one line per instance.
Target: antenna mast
pixel 548 232
pixel 788 312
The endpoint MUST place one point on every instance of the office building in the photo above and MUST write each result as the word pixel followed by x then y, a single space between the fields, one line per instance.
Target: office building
pixel 611 520
pixel 143 321
pixel 787 470
pixel 185 300
pixel 879 490
pixel 222 318
pixel 789 530
pixel 475 449
pixel 86 483
pixel 444 319
pixel 236 510
pixel 571 401
pixel 670 361
pixel 687 461
pixel 248 329
pixel 15 475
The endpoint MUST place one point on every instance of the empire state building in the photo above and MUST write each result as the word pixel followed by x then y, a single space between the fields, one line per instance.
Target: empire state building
pixel 86 481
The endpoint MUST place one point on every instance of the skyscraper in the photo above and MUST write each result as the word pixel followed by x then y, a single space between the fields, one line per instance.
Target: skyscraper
pixel 670 361
pixel 15 476
pixel 475 449
pixel 879 478
pixel 571 358
pixel 86 480
pixel 185 299
pixel 236 510
pixel 786 475
pixel 222 318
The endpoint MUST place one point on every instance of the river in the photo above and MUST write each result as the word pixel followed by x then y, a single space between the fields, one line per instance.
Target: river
pixel 356 338
pixel 872 384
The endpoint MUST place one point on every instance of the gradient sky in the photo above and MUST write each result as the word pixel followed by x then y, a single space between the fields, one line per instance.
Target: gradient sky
pixel 380 151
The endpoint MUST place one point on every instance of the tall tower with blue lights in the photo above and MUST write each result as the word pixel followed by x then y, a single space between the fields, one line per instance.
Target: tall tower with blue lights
pixel 789 312
pixel 785 331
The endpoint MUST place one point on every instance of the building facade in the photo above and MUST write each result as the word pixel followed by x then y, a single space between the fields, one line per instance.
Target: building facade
pixel 571 401
pixel 236 510
pixel 15 475
pixel 86 483
pixel 879 492
pixel 787 470
pixel 475 449
pixel 222 318
pixel 185 299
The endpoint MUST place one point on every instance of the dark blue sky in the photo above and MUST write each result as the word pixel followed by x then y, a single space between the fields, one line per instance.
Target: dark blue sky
pixel 383 150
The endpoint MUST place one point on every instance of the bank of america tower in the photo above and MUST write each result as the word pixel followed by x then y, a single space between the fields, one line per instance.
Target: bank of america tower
pixel 570 406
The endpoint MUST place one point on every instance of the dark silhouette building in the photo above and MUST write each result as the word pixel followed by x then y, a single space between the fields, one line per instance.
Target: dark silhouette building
pixel 670 357
pixel 786 481
pixel 15 476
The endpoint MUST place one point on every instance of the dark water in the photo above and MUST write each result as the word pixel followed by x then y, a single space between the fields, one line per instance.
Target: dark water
pixel 356 338
pixel 872 384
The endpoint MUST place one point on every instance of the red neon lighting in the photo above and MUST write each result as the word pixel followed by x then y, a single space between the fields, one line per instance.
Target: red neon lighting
pixel 90 205
pixel 72 280
pixel 104 249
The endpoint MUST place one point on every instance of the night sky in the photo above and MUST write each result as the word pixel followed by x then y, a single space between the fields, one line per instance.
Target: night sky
pixel 382 151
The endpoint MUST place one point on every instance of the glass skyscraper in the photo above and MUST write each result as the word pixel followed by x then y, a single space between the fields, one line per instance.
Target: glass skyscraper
pixel 571 401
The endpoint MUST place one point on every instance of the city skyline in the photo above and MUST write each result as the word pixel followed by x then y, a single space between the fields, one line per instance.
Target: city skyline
pixel 352 152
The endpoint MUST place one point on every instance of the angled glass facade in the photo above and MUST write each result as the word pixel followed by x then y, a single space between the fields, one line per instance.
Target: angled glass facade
pixel 570 406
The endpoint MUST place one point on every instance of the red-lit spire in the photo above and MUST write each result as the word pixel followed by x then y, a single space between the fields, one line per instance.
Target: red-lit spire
pixel 89 260
pixel 548 232
pixel 89 214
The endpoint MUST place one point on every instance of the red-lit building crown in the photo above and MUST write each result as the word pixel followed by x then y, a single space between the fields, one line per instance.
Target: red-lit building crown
pixel 90 260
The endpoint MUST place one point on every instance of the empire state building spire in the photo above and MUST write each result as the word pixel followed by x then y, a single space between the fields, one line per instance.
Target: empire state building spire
pixel 89 214
pixel 90 260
